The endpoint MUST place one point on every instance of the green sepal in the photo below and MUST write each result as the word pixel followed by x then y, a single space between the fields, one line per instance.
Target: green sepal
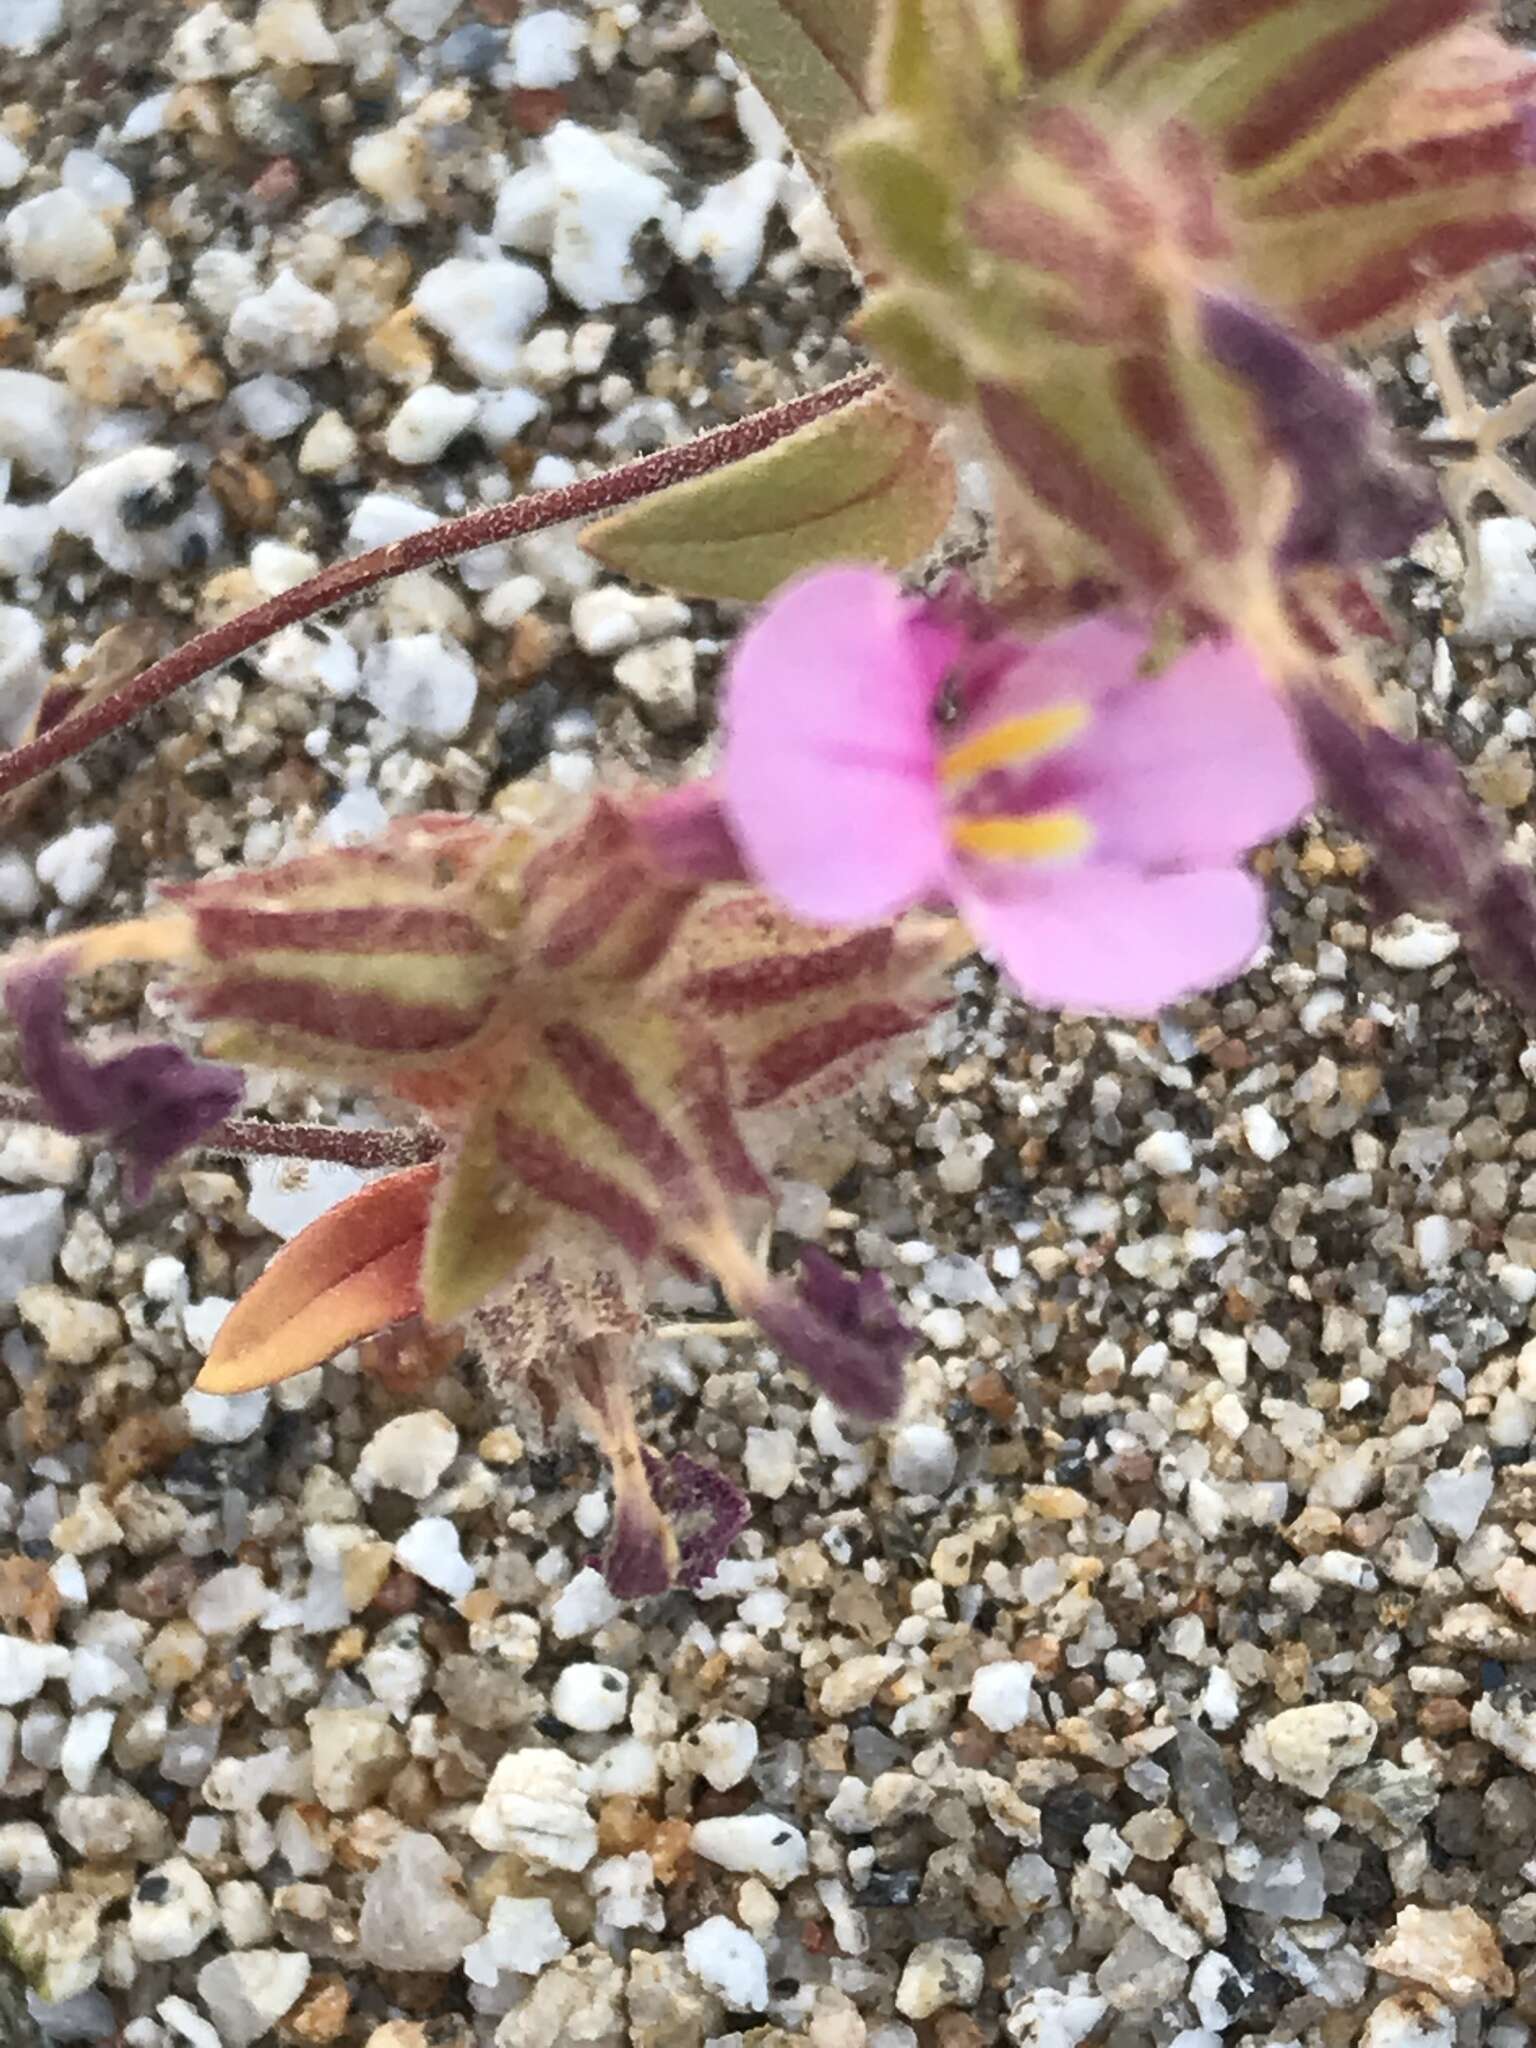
pixel 907 202
pixel 894 323
pixel 472 1245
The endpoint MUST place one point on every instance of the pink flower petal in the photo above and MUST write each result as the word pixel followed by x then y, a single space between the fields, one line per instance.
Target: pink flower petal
pixel 1112 940
pixel 828 766
pixel 1195 766
pixel 1075 666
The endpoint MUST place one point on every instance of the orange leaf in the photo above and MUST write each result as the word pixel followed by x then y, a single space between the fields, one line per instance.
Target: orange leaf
pixel 354 1270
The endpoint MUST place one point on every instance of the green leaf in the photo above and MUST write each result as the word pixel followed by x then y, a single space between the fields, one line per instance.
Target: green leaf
pixel 866 485
pixel 809 59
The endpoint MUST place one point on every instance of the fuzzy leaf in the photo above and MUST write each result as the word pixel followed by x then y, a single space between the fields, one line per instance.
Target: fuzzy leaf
pixel 910 199
pixel 354 1270
pixel 868 484
pixel 893 323
pixel 808 58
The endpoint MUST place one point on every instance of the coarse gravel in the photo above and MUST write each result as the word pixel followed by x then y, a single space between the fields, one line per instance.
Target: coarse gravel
pixel 1168 1673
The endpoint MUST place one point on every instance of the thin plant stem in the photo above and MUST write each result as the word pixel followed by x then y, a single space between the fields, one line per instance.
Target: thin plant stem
pixel 325 1144
pixel 532 513
pixel 249 1137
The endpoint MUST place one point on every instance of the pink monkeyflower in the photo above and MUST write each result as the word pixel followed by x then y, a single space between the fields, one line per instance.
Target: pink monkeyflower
pixel 1087 822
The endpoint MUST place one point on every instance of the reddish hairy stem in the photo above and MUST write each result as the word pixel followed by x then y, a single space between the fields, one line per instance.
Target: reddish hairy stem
pixel 537 510
pixel 248 1137
pixel 327 1143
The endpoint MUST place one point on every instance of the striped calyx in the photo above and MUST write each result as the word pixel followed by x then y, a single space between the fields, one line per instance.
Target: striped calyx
pixel 595 1039
pixel 1057 193
pixel 352 962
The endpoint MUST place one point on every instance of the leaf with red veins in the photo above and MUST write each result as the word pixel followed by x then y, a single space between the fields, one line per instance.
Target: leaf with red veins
pixel 150 1101
pixel 352 1272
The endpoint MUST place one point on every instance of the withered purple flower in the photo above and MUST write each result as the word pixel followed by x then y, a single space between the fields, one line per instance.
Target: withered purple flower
pixel 701 1510
pixel 845 1331
pixel 1436 849
pixel 151 1101
pixel 1357 500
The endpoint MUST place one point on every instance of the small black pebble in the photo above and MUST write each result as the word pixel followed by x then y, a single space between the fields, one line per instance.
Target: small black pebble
pixel 155 505
pixel 1067 1812
pixel 890 1888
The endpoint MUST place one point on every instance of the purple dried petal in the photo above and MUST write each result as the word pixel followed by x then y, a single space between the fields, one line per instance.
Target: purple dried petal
pixel 641 1556
pixel 845 1333
pixel 674 1530
pixel 151 1101
pixel 688 834
pixel 707 1512
pixel 1357 500
pixel 1436 849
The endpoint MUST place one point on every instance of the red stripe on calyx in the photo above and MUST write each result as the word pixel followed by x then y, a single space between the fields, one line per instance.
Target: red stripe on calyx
pixel 1383 175
pixel 548 1170
pixel 583 924
pixel 365 1021
pixel 606 1090
pixel 227 931
pixel 1052 467
pixel 1154 405
pixel 799 1056
pixel 1324 77
pixel 1081 149
pixel 739 989
pixel 1400 281
pixel 705 1092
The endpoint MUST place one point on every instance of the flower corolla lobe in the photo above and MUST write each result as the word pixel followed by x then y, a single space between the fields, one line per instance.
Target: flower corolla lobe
pixel 1085 818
